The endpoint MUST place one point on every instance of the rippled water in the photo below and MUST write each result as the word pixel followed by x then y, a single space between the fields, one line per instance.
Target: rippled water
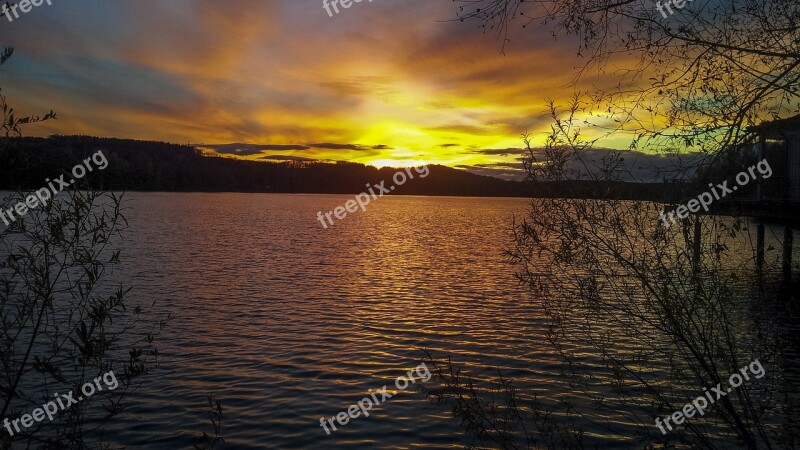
pixel 286 322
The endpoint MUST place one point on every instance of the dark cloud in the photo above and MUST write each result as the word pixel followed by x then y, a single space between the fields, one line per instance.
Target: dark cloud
pixel 500 151
pixel 287 158
pixel 249 149
pixel 285 147
pixel 381 147
pixel 331 146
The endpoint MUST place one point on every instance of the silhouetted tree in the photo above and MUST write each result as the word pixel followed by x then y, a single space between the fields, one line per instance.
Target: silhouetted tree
pixel 644 317
pixel 695 78
pixel 61 324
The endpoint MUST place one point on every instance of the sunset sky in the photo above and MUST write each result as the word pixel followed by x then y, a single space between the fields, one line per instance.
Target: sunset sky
pixel 382 83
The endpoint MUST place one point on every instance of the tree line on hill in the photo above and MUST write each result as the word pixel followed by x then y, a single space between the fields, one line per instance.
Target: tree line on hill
pixel 134 165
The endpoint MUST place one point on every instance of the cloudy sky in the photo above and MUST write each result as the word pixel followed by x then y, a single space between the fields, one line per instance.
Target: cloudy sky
pixel 380 83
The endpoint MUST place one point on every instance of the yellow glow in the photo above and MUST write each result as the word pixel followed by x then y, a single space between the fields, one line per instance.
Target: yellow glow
pixel 395 163
pixel 389 94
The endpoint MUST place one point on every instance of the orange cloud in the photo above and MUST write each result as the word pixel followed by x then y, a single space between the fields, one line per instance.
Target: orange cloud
pixel 390 81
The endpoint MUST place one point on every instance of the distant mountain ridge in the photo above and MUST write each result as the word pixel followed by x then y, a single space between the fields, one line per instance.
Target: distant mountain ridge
pixel 157 166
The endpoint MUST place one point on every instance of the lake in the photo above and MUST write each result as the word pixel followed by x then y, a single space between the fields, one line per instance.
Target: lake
pixel 286 322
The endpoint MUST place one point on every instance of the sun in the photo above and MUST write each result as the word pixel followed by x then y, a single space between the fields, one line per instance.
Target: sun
pixel 388 162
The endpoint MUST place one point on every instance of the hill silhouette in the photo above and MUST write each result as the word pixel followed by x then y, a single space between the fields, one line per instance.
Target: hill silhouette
pixel 134 165
pixel 158 166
